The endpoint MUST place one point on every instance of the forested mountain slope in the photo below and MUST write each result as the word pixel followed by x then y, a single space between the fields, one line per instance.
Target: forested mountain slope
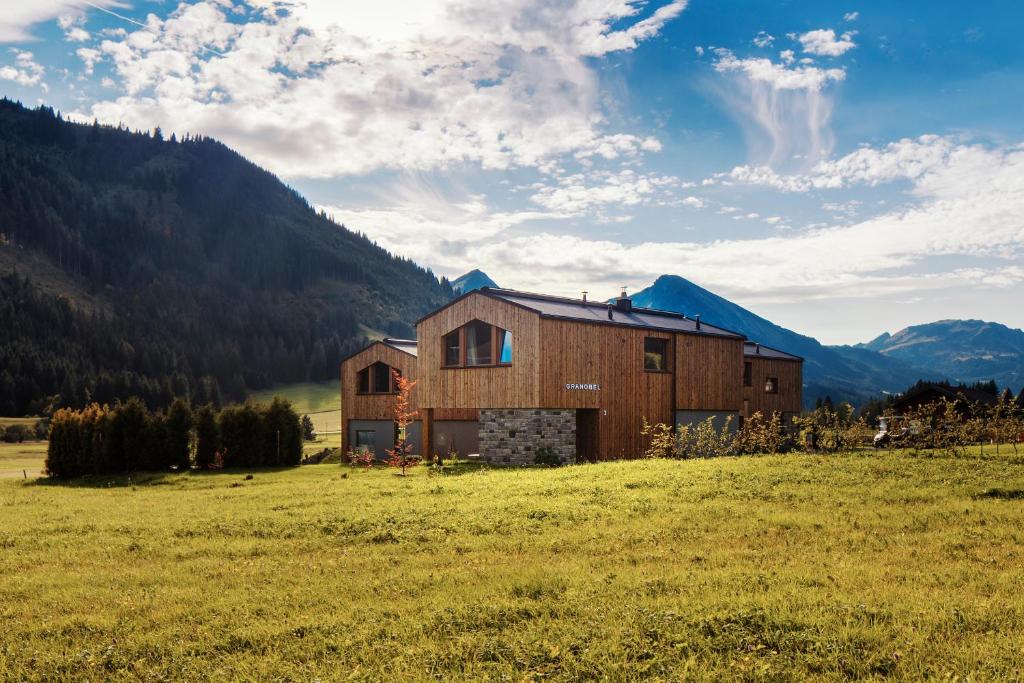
pixel 134 265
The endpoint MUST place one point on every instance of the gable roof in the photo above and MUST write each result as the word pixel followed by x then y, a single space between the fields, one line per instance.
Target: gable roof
pixel 405 345
pixel 757 350
pixel 563 308
pixel 922 393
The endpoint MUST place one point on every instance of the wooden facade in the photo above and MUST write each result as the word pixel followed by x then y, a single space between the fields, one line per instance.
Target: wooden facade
pixel 510 386
pixel 569 355
pixel 788 398
pixel 375 406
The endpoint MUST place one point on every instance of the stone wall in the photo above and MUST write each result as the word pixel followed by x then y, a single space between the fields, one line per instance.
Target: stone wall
pixel 512 436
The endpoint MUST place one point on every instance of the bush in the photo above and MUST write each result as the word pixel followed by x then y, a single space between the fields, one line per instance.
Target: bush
pixel 207 437
pixel 16 434
pixel 126 438
pixel 546 456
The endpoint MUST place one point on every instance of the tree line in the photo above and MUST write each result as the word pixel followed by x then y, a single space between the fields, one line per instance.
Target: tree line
pixel 128 437
pixel 132 265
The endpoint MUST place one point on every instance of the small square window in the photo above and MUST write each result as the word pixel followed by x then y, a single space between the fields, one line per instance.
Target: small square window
pixel 366 440
pixel 654 354
pixel 748 374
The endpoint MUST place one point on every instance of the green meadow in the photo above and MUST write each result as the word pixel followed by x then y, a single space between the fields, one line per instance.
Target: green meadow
pixel 774 568
pixel 320 400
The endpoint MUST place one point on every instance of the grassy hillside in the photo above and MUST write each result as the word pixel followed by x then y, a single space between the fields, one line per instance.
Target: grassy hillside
pixel 774 568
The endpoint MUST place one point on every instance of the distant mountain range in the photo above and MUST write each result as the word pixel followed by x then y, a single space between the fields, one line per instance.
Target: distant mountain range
pixel 961 350
pixel 958 350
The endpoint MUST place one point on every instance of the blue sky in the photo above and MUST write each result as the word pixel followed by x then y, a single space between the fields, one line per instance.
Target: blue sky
pixel 840 168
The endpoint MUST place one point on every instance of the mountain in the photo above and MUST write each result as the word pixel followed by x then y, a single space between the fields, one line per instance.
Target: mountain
pixel 965 351
pixel 135 265
pixel 474 279
pixel 842 372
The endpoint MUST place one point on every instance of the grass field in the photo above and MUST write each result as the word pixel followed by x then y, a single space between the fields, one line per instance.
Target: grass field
pixel 767 568
pixel 18 457
pixel 320 400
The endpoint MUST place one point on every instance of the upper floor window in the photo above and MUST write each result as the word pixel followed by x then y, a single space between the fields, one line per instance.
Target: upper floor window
pixel 771 385
pixel 655 354
pixel 477 344
pixel 377 379
pixel 748 373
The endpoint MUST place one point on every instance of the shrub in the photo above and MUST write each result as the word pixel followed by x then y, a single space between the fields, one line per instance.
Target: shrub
pixel 547 457
pixel 16 434
pixel 99 440
pixel 207 437
pixel 178 426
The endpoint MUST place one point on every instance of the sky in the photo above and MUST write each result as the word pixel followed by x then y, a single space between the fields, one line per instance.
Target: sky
pixel 841 168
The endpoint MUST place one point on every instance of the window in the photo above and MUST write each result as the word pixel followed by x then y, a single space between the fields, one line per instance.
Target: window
pixel 504 347
pixel 771 385
pixel 654 354
pixel 452 349
pixel 366 440
pixel 376 379
pixel 477 344
pixel 748 370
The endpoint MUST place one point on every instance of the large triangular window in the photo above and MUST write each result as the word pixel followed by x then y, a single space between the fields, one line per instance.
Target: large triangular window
pixel 477 344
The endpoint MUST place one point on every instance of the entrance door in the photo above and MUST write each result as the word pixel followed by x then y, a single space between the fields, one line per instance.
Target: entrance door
pixel 587 444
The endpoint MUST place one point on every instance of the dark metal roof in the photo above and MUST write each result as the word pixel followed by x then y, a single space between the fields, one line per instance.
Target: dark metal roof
pixel 406 345
pixel 597 312
pixel 761 351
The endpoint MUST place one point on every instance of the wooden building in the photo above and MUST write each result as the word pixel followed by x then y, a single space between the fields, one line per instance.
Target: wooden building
pixel 501 374
pixel 772 382
pixel 367 394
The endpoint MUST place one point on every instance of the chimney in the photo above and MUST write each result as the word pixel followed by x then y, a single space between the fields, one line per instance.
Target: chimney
pixel 584 296
pixel 697 319
pixel 610 309
pixel 624 303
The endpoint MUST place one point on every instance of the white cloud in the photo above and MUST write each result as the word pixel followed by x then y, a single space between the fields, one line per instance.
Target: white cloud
pixel 910 159
pixel 823 42
pixel 25 70
pixel 576 194
pixel 318 89
pixel 17 18
pixel 851 16
pixel 969 204
pixel 783 108
pixel 764 39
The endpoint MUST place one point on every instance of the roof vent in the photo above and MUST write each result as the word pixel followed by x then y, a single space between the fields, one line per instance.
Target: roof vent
pixel 610 309
pixel 584 296
pixel 624 303
pixel 757 349
pixel 697 320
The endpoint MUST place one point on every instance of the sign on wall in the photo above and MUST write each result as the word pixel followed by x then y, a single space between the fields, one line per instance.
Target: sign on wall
pixel 583 387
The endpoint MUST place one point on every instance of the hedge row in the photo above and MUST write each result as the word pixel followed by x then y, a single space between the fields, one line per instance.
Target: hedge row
pixel 128 437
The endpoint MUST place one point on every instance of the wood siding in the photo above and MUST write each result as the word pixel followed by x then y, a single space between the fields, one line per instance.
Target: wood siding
pixel 513 386
pixel 790 396
pixel 709 373
pixel 612 357
pixel 356 406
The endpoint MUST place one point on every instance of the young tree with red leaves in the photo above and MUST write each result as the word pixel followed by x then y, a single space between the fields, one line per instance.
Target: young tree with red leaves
pixel 401 410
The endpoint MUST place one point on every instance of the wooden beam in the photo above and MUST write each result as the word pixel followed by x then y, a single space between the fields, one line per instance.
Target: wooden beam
pixel 427 435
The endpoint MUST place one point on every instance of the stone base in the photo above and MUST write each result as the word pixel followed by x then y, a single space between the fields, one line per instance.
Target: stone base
pixel 512 436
